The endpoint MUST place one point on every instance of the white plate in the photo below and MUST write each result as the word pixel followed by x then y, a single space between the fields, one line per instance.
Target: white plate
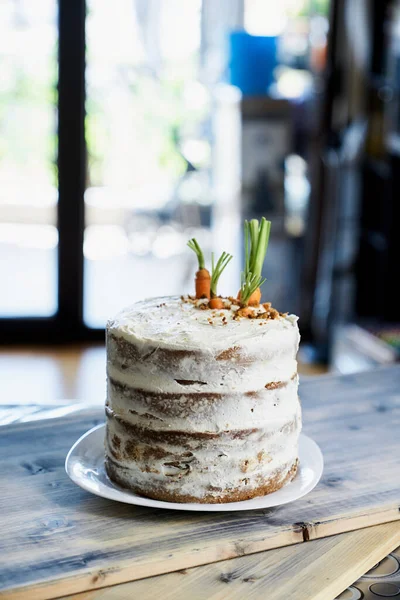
pixel 85 466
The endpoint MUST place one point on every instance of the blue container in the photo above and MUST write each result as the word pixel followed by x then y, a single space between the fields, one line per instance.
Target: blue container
pixel 252 60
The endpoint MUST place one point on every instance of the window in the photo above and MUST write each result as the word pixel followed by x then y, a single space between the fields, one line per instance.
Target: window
pixel 148 152
pixel 28 147
pixel 105 154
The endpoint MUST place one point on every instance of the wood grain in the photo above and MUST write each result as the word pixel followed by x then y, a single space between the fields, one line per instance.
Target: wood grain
pixel 57 539
pixel 319 570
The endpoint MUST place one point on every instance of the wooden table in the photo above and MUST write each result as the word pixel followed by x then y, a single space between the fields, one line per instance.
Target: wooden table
pixel 58 540
pixel 318 570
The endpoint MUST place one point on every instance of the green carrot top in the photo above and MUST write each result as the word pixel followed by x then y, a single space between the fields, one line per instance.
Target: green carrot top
pixel 217 269
pixel 194 245
pixel 256 238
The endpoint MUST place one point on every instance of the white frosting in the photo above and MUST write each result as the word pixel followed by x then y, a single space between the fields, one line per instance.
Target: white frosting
pixel 269 408
pixel 221 379
pixel 216 387
pixel 218 464
pixel 171 323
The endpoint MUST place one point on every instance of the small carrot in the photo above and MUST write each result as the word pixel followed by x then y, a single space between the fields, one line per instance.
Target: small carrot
pixel 216 303
pixel 256 238
pixel 254 299
pixel 202 283
pixel 203 277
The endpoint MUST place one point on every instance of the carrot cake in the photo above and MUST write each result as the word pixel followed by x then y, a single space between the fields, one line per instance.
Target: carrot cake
pixel 202 404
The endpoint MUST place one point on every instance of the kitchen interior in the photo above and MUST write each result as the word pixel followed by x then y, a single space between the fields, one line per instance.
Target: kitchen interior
pixel 126 129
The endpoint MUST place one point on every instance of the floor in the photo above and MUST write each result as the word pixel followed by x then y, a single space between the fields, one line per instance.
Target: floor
pixel 50 375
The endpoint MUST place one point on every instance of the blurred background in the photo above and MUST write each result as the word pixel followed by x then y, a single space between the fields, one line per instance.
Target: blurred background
pixel 127 127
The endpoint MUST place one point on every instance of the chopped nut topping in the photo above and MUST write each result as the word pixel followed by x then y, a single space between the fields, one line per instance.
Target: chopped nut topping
pixel 234 301
pixel 274 385
pixel 263 311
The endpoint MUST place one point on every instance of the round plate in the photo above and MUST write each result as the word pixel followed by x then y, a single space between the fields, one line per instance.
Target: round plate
pixel 85 466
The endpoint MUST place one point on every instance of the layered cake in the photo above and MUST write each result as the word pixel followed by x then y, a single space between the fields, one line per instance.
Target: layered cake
pixel 202 403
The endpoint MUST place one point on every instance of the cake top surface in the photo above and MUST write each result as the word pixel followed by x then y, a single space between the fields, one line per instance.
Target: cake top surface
pixel 176 323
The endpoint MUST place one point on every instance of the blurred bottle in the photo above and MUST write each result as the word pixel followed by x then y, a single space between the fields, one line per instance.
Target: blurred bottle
pixel 297 194
pixel 319 27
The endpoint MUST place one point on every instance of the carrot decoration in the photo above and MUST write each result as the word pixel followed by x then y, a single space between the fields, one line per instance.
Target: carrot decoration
pixel 203 278
pixel 216 303
pixel 255 297
pixel 216 272
pixel 257 236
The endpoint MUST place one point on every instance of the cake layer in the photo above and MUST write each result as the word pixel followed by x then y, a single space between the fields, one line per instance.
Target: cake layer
pixel 200 464
pixel 217 495
pixel 199 377
pixel 202 405
pixel 204 411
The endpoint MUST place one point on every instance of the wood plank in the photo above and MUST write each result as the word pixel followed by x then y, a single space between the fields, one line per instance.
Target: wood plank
pixel 58 540
pixel 318 570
